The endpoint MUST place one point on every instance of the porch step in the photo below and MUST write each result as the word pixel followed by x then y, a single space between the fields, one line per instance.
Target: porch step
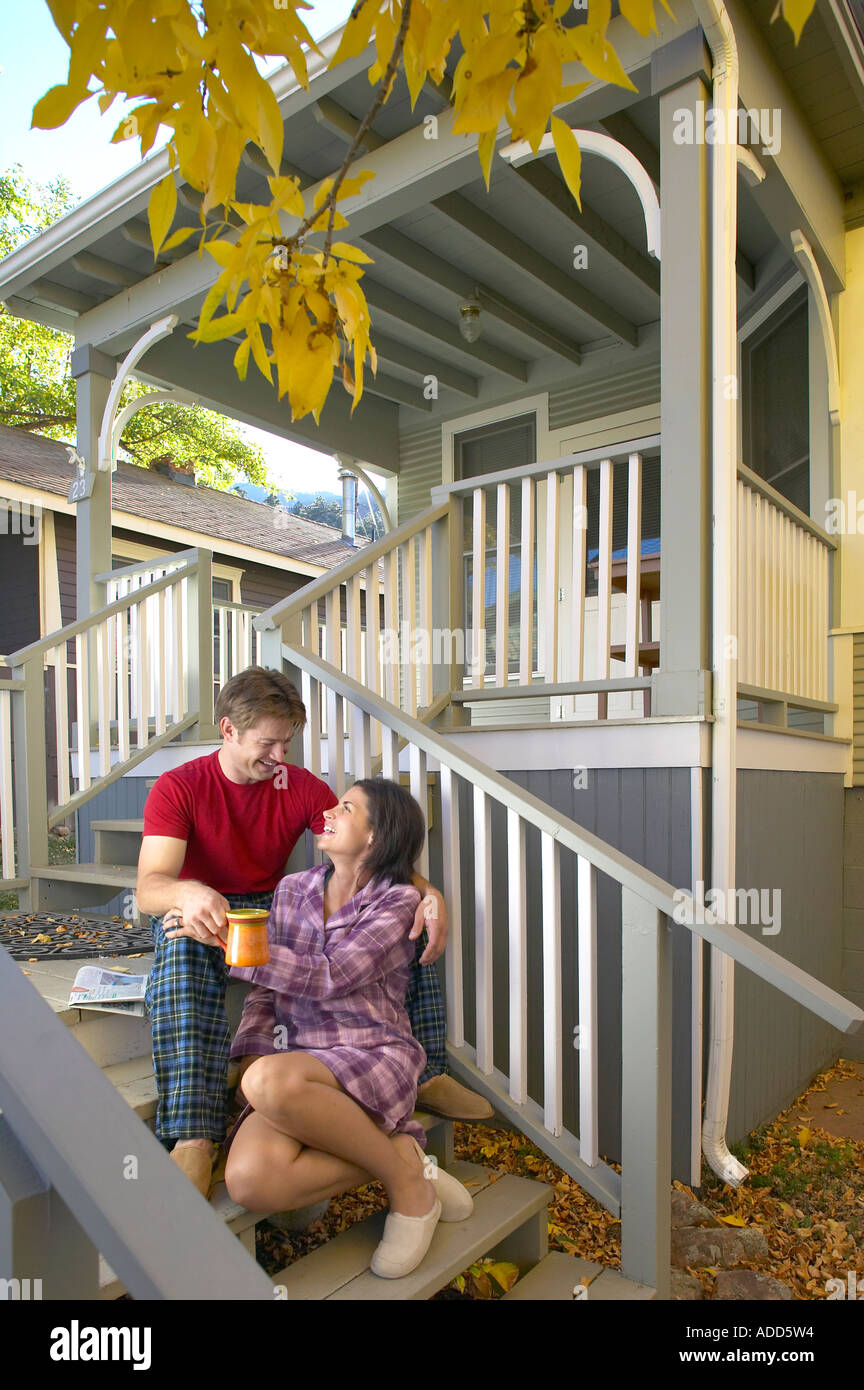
pixel 509 1220
pixel 556 1277
pixel 118 876
pixel 81 885
pixel 110 1039
pixel 117 841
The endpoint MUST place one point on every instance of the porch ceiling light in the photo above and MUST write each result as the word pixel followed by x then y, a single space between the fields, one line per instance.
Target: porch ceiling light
pixel 470 322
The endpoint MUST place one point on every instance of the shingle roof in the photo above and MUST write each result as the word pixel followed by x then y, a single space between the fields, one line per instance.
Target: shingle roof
pixel 35 462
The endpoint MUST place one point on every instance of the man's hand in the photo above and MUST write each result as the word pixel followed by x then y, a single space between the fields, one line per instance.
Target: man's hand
pixel 200 916
pixel 431 914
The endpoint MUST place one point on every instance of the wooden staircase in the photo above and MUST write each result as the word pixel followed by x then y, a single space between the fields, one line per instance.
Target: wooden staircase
pixel 510 1213
pixel 91 885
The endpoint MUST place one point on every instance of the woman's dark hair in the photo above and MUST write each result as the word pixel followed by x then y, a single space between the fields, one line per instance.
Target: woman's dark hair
pixel 398 830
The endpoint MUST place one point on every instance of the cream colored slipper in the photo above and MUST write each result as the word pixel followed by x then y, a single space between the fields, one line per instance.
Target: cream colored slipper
pixel 197 1164
pixel 444 1095
pixel 406 1241
pixel 457 1204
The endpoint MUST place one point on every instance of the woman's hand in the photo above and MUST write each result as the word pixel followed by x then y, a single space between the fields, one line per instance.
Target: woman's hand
pixel 431 914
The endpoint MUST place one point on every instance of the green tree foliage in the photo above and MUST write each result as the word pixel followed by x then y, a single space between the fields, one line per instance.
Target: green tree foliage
pixel 38 394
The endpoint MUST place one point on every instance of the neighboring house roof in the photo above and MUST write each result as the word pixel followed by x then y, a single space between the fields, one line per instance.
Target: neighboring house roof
pixel 35 462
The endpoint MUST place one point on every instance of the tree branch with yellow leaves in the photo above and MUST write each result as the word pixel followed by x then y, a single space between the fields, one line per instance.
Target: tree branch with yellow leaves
pixel 191 66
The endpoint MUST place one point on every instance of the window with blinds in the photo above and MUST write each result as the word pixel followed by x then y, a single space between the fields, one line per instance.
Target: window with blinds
pixel 775 401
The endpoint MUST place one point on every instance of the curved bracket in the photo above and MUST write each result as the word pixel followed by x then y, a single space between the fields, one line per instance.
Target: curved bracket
pixel 107 441
pixel 590 142
pixel 351 466
pixel 152 398
pixel 749 166
pixel 807 261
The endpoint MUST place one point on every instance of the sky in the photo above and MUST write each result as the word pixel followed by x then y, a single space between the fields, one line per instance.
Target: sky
pixel 33 57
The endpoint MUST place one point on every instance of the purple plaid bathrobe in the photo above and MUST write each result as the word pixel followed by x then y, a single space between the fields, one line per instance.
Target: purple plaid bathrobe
pixel 337 991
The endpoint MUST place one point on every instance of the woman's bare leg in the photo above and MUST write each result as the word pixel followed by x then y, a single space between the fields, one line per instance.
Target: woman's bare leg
pixel 301 1097
pixel 270 1171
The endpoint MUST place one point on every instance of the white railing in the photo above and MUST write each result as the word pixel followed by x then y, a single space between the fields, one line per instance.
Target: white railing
pixel 236 643
pixel 9 691
pixel 560 603
pixel 372 617
pixel 784 569
pixel 485 823
pixel 114 686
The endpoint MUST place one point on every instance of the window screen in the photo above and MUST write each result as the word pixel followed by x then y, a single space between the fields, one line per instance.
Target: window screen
pixel 775 402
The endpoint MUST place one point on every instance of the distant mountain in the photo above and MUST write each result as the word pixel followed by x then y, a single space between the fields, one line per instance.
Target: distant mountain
pixel 322 506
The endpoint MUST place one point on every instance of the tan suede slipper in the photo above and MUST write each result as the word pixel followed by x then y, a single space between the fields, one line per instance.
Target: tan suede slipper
pixel 444 1095
pixel 197 1165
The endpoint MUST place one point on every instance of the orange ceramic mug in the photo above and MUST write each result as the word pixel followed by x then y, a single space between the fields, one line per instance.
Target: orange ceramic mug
pixel 247 936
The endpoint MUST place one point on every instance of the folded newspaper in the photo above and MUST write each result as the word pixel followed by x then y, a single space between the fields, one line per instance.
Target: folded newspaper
pixel 110 991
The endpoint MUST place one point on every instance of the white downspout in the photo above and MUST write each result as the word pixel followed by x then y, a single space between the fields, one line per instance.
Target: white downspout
pixel 718 31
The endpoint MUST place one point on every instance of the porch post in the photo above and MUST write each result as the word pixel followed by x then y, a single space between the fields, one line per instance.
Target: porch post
pixel 680 76
pixel 93 372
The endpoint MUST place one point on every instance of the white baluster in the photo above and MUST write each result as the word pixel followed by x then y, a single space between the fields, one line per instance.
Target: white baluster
pixel 161 652
pixel 336 742
pixel 553 550
pixel 7 824
pixel 586 888
pixel 103 699
pixel 452 886
pixel 409 611
pixel 527 581
pixel 604 570
pixel 391 628
pixel 483 927
pixel 518 951
pixel 502 586
pixel 420 793
pixel 634 547
pixel 142 691
pixel 425 597
pixel 61 717
pixel 553 1088
pixel 580 556
pixel 223 672
pixel 478 588
pixel 389 754
pixel 82 708
pixel 312 731
pixel 373 645
pixel 122 638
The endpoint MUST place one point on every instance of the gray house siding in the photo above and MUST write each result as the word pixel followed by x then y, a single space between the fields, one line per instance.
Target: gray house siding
pixel 790 837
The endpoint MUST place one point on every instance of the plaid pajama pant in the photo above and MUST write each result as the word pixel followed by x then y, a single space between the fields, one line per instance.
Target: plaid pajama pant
pixel 185 999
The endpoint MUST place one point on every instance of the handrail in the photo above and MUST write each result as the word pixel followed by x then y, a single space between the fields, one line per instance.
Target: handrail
pixel 65 634
pixel 675 903
pixel 162 1242
pixel 370 555
pixel 757 484
pixel 649 444
pixel 144 566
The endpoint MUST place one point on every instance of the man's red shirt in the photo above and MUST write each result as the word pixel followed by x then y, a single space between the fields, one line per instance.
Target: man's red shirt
pixel 238 835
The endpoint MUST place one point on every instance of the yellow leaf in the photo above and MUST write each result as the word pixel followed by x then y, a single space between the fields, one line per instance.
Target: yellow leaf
pixel 177 238
pixel 241 359
pixel 734 1220
pixel 640 13
pixel 503 1274
pixel 796 13
pixel 569 156
pixel 161 209
pixel 270 126
pixel 56 106
pixel 804 1137
pixel 350 253
pixel 486 149
pixel 356 34
pixel 222 327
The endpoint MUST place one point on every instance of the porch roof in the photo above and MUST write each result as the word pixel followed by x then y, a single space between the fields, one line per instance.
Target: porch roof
pixel 42 465
pixel 436 237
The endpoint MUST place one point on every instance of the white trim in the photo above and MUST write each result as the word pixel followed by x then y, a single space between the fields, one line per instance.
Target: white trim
pixel 770 306
pixel 50 613
pixel 658 742
pixel 538 406
pixel 697 978
pixel 137 551
pixel 125 521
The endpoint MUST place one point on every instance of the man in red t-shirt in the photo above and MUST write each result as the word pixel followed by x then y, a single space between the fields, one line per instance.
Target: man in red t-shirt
pixel 217 834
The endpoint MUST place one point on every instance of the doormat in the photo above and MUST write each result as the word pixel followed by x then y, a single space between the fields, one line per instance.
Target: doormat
pixel 33 936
